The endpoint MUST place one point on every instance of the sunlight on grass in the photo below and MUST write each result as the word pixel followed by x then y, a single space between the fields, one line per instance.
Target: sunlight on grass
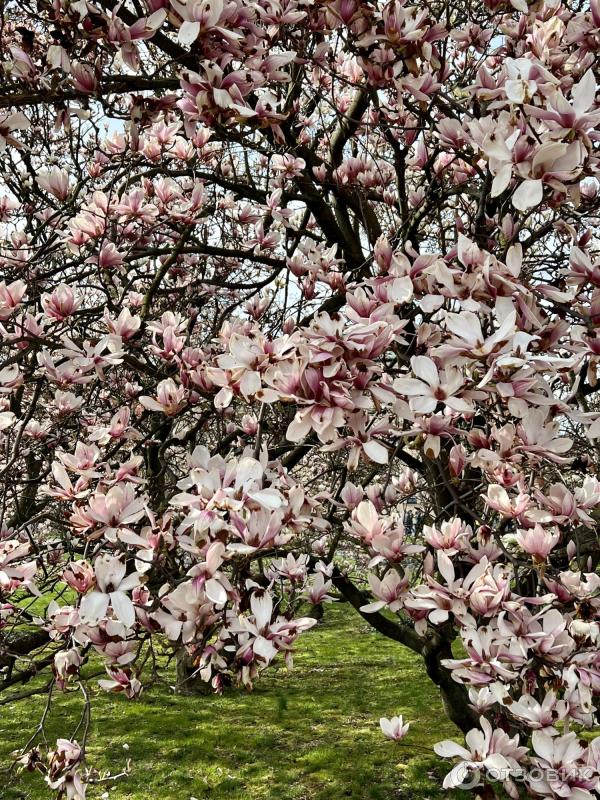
pixel 312 734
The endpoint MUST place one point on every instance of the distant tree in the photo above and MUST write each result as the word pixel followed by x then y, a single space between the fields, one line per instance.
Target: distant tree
pixel 269 271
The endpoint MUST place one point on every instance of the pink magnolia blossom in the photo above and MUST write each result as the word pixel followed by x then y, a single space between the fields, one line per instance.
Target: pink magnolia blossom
pixel 487 749
pixel 61 303
pixel 170 398
pixel 394 728
pixel 14 571
pixel 537 541
pixel 284 282
pixel 11 296
pixel 431 387
pixel 112 587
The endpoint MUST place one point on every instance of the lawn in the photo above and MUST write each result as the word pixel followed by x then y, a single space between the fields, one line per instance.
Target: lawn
pixel 312 734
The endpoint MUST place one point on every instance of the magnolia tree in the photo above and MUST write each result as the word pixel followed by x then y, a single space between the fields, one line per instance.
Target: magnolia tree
pixel 275 276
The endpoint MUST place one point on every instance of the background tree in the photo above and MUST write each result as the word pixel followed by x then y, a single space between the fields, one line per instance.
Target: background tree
pixel 273 274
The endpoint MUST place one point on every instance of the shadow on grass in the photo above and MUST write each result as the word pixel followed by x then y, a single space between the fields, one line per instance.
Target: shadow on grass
pixel 312 734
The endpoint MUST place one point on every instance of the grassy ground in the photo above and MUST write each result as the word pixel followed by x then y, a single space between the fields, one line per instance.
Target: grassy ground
pixel 309 735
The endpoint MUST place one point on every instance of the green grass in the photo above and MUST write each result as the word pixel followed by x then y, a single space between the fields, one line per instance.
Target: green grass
pixel 312 734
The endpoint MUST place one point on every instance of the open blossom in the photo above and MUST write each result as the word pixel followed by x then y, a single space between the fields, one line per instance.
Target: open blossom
pixel 288 165
pixel 121 680
pixel 134 205
pixel 487 749
pixel 539 715
pixel 64 769
pixel 83 461
pixel 8 124
pixel 67 402
pixel 391 546
pixel 451 537
pixel 126 325
pixel 80 576
pixel 267 637
pixel 14 571
pixel 498 498
pixel 560 767
pixel 64 488
pixel 390 591
pixel 394 728
pixel 432 386
pixel 7 420
pixel 202 17
pixel 112 586
pixel 170 398
pixel 486 586
pixel 469 339
pixel 318 589
pixel 116 510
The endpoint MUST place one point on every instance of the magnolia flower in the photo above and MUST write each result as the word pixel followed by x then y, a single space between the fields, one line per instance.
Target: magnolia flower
pixel 432 386
pixel 112 585
pixel 497 498
pixel 66 665
pixel 11 378
pixel 67 402
pixel 390 546
pixel 537 715
pixel 82 461
pixel 267 638
pixel 61 303
pixel 469 341
pixel 537 542
pixel 390 590
pixel 365 522
pixel 487 749
pixel 64 488
pixel 134 206
pixel 289 165
pixel 290 567
pixel 557 762
pixel 55 181
pixel 64 770
pixel 451 537
pixel 7 420
pixel 541 437
pixel 170 398
pixel 15 572
pixel 394 728
pixel 482 700
pixel 11 296
pixel 202 16
pixel 118 428
pixel 117 509
pixel 317 591
pixel 79 575
pixel 261 605
pixel 8 124
pixel 125 325
pixel 121 680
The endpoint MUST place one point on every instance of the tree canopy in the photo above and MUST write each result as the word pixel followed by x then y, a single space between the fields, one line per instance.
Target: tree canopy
pixel 300 301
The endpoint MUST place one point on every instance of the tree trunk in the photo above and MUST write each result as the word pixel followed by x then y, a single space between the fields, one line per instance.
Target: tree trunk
pixel 189 681
pixel 455 697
